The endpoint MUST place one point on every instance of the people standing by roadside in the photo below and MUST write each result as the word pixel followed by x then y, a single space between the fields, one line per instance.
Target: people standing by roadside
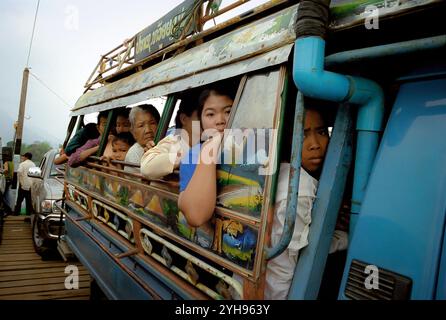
pixel 8 171
pixel 24 184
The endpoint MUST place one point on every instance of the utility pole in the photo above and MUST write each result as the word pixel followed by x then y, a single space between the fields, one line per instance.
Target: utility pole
pixel 19 130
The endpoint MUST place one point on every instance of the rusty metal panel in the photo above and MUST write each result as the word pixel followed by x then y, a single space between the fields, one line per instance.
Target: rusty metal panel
pixel 269 59
pixel 258 45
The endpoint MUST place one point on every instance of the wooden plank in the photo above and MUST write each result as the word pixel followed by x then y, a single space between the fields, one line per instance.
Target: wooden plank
pixel 19 257
pixel 16 238
pixel 17 234
pixel 23 274
pixel 17 230
pixel 18 246
pixel 15 242
pixel 58 294
pixel 40 288
pixel 8 250
pixel 31 262
pixel 4 252
pixel 40 281
pixel 18 243
pixel 17 227
pixel 84 297
pixel 55 268
pixel 13 218
pixel 43 265
pixel 42 274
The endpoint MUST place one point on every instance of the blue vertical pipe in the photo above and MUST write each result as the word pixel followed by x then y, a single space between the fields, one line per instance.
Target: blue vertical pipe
pixel 293 182
pixel 313 81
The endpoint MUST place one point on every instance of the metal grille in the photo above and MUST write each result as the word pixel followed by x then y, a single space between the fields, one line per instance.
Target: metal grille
pixel 391 286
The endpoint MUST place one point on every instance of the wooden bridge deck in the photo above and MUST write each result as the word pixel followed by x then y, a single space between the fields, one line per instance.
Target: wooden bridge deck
pixel 23 274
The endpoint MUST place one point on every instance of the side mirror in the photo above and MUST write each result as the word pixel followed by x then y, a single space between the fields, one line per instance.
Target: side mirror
pixel 35 172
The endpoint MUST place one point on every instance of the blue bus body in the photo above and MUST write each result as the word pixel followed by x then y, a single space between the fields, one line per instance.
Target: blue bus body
pixel 401 227
pixel 397 239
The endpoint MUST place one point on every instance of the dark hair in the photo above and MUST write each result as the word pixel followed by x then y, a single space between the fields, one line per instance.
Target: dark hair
pixel 217 90
pixel 326 109
pixel 188 106
pixel 125 137
pixel 118 112
pixel 28 155
pixel 91 131
pixel 102 114
pixel 7 153
pixel 123 112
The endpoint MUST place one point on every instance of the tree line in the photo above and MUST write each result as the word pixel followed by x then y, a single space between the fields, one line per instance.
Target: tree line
pixel 37 148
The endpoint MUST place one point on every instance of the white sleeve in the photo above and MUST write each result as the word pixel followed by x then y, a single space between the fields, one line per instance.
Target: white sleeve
pixel 279 275
pixel 133 156
pixel 158 161
pixel 339 241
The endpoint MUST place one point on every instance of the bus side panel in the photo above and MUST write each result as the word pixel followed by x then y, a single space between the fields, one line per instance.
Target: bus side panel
pixel 401 224
pixel 96 260
pixel 441 282
pixel 112 278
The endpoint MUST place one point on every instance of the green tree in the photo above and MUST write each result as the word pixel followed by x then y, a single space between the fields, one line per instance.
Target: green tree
pixel 37 148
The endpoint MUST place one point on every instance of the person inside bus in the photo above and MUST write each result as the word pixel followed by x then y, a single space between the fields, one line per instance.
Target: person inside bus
pixel 121 144
pixel 198 179
pixel 122 120
pixel 280 270
pixel 88 132
pixel 91 146
pixel 61 158
pixel 164 158
pixel 144 121
pixel 121 124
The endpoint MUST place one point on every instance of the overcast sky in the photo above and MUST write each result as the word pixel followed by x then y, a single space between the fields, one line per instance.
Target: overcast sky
pixel 69 38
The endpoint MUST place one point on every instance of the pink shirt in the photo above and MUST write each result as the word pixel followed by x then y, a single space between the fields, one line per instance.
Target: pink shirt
pixel 74 159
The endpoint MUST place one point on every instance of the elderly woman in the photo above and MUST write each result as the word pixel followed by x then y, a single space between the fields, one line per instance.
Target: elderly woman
pixel 144 121
pixel 160 161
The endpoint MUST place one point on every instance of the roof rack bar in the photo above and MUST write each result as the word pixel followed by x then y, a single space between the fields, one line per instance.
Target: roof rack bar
pixel 224 10
pixel 198 36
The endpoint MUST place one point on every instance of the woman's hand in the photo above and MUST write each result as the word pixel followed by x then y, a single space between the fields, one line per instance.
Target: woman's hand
pixel 106 159
pixel 149 146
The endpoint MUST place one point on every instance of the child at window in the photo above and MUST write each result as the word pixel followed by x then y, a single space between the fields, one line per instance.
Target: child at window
pixel 280 270
pixel 121 143
pixel 198 179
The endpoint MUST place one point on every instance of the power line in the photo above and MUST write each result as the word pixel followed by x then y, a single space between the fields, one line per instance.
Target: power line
pixel 52 91
pixel 32 35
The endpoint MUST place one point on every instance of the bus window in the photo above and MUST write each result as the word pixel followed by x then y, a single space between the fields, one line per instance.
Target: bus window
pixel 91 118
pixel 171 126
